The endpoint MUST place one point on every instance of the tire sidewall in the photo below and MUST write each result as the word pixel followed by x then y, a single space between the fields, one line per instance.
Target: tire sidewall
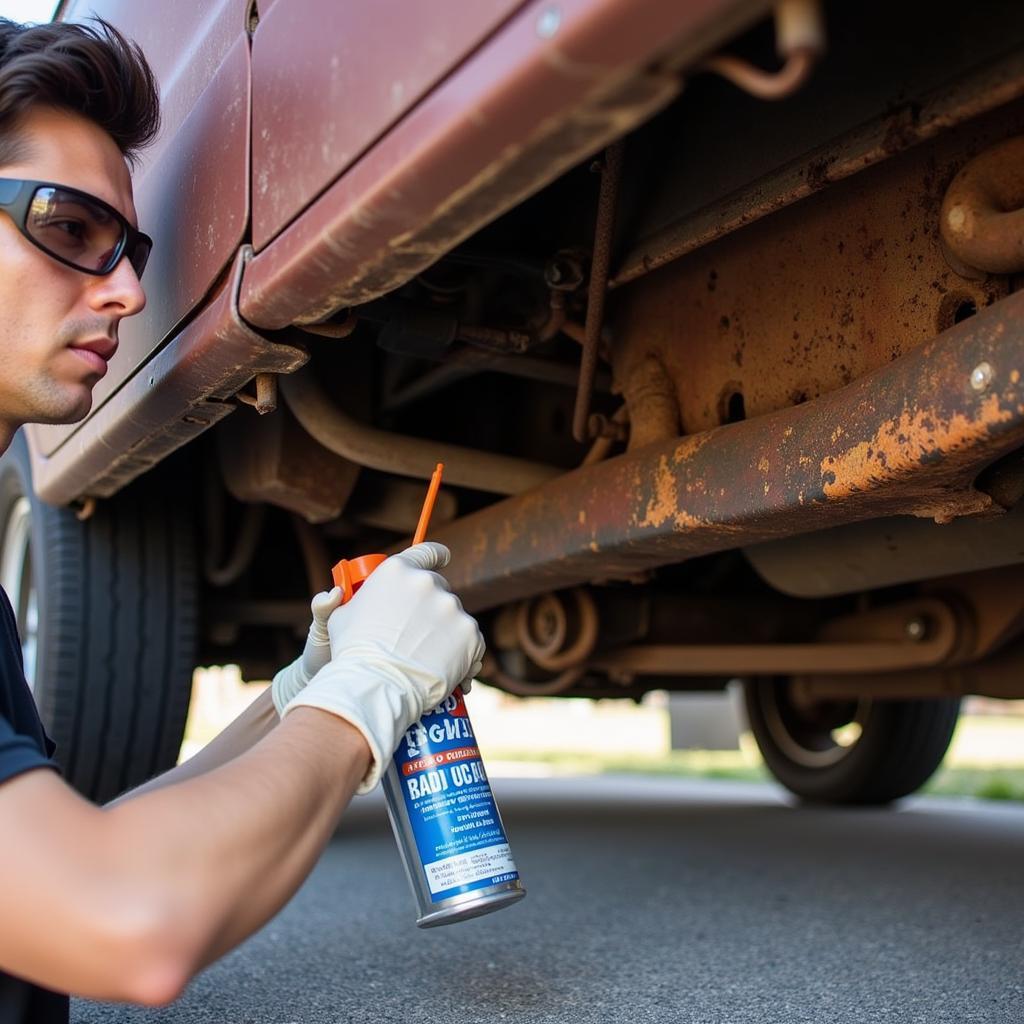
pixel 15 483
pixel 835 782
pixel 900 745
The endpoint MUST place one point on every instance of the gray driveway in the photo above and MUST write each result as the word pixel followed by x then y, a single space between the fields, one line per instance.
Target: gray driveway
pixel 653 900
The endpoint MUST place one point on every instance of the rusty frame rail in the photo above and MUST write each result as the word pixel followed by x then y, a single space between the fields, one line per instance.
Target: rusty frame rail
pixel 908 438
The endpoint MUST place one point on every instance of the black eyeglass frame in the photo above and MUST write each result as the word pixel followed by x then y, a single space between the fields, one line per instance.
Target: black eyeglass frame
pixel 19 205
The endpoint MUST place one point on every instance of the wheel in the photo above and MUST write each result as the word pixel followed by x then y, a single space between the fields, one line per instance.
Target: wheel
pixel 848 752
pixel 107 612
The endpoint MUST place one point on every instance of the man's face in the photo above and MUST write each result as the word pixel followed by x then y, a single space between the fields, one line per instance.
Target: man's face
pixel 58 326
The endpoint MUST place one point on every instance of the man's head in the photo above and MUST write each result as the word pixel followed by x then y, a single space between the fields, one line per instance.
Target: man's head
pixel 76 103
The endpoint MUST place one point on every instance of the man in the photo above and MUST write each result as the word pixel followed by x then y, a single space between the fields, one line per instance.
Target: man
pixel 129 901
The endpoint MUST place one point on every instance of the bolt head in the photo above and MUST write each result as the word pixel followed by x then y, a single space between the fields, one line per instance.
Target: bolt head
pixel 563 273
pixel 916 628
pixel 549 22
pixel 981 376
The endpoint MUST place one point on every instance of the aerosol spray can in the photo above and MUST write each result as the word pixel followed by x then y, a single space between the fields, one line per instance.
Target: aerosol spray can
pixel 446 823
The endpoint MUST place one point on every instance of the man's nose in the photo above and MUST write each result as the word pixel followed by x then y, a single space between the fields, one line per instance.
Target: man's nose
pixel 119 292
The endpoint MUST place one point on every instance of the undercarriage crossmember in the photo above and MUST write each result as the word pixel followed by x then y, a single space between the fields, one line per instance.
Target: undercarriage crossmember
pixel 907 439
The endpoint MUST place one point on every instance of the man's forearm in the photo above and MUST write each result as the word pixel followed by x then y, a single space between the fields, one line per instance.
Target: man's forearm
pixel 243 733
pixel 263 819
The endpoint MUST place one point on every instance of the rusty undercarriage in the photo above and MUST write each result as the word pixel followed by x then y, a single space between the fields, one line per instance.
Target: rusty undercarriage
pixel 833 345
pixel 738 394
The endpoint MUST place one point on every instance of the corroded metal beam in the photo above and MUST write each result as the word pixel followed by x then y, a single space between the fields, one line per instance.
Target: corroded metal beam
pixel 908 438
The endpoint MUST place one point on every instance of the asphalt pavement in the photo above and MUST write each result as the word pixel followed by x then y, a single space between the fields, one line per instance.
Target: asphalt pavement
pixel 652 899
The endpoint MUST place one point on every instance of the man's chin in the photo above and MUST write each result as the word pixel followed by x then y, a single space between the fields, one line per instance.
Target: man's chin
pixel 72 409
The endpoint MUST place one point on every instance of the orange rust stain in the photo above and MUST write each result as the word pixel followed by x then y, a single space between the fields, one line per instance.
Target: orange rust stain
pixel 1014 376
pixel 685 521
pixel 689 446
pixel 886 457
pixel 764 465
pixel 662 506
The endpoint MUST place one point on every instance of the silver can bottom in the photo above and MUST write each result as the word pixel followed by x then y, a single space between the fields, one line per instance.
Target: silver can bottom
pixel 472 904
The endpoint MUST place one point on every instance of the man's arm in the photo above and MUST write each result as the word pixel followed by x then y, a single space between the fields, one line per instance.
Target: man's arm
pixel 127 903
pixel 240 735
pixel 263 713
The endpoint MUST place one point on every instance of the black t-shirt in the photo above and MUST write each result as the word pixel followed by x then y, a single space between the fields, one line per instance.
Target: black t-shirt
pixel 23 746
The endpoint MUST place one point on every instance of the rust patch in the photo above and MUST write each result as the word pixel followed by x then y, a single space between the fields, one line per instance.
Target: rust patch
pixel 664 506
pixel 915 436
pixel 904 445
pixel 989 89
pixel 816 296
pixel 687 447
pixel 663 503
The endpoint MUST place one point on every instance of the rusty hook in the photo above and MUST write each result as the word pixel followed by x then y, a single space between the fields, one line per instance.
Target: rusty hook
pixel 982 218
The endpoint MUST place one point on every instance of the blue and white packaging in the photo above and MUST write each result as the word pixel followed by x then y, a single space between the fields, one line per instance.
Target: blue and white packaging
pixel 449 831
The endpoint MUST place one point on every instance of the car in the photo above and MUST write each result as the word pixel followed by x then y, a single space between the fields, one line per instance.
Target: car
pixel 710 310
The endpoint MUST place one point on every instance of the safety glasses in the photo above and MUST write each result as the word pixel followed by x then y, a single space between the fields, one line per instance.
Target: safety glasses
pixel 73 227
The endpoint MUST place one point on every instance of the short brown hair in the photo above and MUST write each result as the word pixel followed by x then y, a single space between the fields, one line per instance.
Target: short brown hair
pixel 91 70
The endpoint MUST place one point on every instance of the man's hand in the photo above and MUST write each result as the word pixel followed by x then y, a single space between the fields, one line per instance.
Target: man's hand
pixel 398 648
pixel 317 652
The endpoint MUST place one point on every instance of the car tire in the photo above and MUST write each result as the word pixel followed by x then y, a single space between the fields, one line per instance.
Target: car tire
pixel 897 744
pixel 107 609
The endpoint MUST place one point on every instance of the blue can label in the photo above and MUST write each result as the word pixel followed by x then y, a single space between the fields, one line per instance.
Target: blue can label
pixel 458 833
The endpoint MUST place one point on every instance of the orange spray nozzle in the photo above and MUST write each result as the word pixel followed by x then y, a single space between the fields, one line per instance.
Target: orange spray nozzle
pixel 351 573
pixel 428 505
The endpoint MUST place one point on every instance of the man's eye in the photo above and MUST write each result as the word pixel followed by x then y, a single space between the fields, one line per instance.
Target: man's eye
pixel 75 228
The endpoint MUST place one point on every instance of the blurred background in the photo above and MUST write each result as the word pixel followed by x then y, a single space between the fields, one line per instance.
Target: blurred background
pixel 27 10
pixel 694 735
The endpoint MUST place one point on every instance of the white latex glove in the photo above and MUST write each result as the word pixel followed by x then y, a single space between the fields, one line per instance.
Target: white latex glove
pixel 398 648
pixel 315 654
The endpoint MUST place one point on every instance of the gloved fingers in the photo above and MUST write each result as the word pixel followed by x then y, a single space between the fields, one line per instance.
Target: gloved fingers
pixel 467 684
pixel 478 648
pixel 321 606
pixel 423 581
pixel 324 603
pixel 437 580
pixel 463 632
pixel 428 555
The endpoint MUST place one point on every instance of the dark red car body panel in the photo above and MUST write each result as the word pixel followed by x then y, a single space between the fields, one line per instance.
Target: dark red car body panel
pixel 516 112
pixel 519 111
pixel 328 80
pixel 191 186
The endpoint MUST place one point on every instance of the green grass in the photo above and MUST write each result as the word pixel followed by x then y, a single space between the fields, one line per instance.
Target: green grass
pixel 699 764
pixel 983 783
pixel 746 766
